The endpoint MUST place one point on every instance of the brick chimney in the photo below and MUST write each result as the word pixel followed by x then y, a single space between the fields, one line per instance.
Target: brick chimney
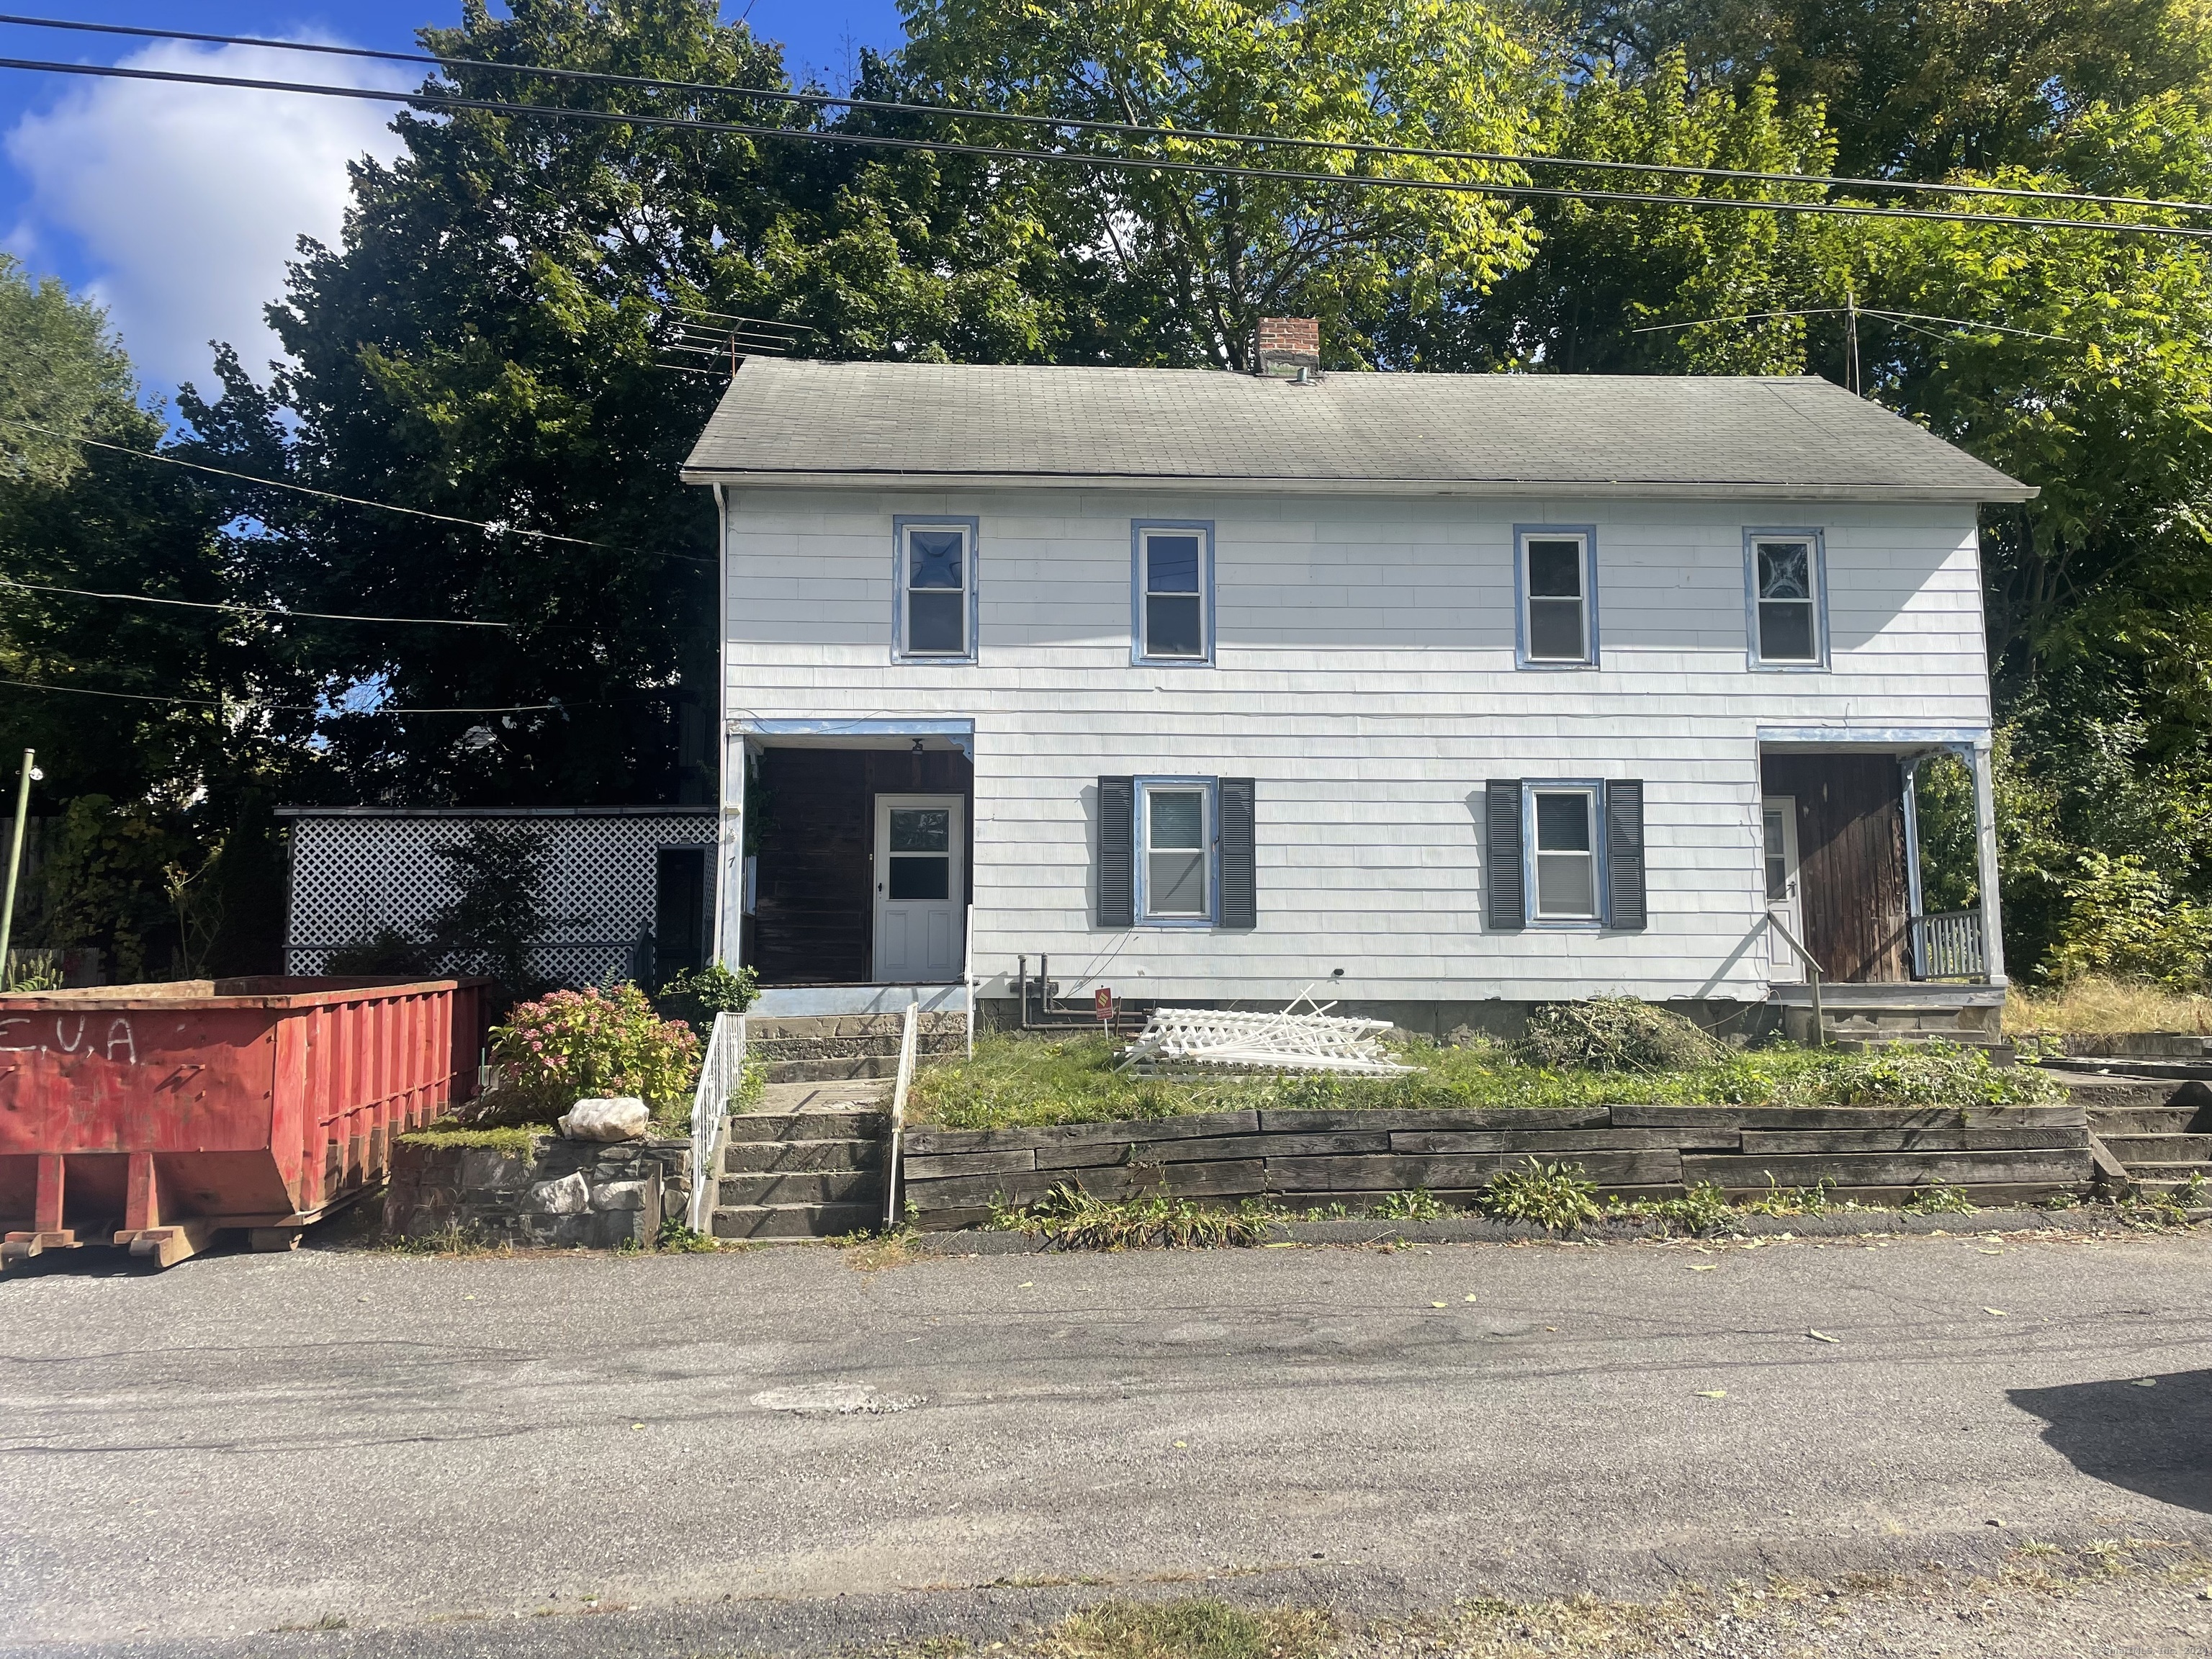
pixel 1285 345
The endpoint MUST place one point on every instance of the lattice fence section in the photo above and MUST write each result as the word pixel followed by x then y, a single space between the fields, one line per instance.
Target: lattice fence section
pixel 351 876
pixel 1178 1038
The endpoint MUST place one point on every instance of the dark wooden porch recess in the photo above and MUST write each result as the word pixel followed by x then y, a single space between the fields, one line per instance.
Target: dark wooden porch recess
pixel 814 915
pixel 1850 851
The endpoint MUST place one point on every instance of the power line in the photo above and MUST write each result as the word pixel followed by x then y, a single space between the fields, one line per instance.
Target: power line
pixel 357 501
pixel 247 704
pixel 1075 123
pixel 247 610
pixel 1085 159
pixel 1862 311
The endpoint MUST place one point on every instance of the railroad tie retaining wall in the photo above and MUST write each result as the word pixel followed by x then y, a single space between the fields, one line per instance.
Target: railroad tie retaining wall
pixel 1313 1159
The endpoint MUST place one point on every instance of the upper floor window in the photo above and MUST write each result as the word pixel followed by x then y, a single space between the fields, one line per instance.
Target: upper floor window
pixel 1174 593
pixel 1782 569
pixel 936 620
pixel 1555 576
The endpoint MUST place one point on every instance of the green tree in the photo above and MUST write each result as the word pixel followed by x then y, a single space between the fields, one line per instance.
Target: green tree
pixel 60 370
pixel 1176 268
pixel 1923 88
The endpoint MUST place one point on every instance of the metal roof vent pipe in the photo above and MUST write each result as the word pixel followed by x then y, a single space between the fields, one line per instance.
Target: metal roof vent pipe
pixel 1288 349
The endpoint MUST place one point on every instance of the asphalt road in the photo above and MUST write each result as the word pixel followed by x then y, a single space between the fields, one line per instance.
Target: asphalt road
pixel 432 1450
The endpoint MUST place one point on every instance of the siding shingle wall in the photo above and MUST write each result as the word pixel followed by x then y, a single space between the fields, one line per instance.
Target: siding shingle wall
pixel 1365 679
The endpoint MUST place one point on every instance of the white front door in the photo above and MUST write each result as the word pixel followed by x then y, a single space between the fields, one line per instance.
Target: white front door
pixel 1778 846
pixel 919 888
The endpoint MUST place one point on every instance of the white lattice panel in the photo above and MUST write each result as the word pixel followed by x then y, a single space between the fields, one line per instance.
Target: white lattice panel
pixel 351 876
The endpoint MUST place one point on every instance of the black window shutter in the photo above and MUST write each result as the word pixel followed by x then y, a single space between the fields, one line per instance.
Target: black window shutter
pixel 1117 851
pixel 1623 854
pixel 1240 899
pixel 1508 908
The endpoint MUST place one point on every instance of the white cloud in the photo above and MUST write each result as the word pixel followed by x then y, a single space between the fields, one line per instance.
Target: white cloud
pixel 186 201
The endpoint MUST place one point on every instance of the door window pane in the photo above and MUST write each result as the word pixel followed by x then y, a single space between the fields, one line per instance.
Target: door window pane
pixel 921 878
pixel 937 594
pixel 1566 866
pixel 921 830
pixel 1175 853
pixel 1556 601
pixel 1786 618
pixel 1175 601
pixel 1777 866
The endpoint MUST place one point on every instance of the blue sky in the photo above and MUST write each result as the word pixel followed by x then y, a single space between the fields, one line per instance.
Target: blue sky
pixel 177 206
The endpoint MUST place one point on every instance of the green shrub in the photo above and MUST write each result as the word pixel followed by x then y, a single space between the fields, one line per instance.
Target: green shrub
pixel 575 1045
pixel 1557 1196
pixel 1616 1034
pixel 696 997
pixel 2123 921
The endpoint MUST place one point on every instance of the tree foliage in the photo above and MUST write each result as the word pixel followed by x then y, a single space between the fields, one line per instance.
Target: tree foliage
pixel 490 342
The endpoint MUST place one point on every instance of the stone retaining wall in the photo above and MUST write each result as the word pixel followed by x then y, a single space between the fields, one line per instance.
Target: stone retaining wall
pixel 1313 1159
pixel 564 1194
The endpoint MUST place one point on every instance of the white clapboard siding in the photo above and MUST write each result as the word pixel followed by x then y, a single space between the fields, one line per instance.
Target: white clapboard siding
pixel 1365 678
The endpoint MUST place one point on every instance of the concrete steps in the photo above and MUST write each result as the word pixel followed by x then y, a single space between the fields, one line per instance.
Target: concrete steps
pixel 810 1174
pixel 847 1048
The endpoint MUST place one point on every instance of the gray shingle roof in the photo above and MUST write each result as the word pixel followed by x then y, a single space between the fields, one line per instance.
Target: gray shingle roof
pixel 939 423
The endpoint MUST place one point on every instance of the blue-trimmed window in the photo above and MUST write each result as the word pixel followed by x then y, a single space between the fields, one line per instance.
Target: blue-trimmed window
pixel 1786 601
pixel 1172 591
pixel 1564 872
pixel 1177 840
pixel 1555 590
pixel 936 585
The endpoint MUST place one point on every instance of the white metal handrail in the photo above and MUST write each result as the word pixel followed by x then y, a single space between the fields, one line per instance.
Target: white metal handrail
pixel 891 1141
pixel 1812 978
pixel 720 1072
pixel 968 980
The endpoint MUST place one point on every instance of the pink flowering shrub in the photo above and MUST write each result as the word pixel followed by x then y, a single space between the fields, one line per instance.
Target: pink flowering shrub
pixel 572 1045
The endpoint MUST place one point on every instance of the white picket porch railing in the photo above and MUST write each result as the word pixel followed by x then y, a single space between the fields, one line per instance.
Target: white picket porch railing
pixel 1950 945
pixel 720 1070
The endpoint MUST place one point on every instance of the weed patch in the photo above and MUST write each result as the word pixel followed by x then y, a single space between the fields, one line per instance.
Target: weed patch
pixel 1937 1198
pixel 1069 1218
pixel 1557 1196
pixel 1419 1205
pixel 1194 1628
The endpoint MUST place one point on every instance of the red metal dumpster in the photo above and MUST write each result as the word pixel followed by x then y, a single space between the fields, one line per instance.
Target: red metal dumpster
pixel 156 1115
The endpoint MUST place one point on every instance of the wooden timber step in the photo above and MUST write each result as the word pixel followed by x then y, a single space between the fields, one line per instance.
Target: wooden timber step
pixel 2107 1120
pixel 2099 1089
pixel 2132 1149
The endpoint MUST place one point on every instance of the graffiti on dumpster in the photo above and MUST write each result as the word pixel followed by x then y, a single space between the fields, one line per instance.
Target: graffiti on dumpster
pixel 119 1043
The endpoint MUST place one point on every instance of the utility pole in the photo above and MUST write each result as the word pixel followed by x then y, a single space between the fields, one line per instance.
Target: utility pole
pixel 1851 338
pixel 16 865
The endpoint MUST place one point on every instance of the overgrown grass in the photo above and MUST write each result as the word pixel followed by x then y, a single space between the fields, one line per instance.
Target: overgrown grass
pixel 1017 1080
pixel 2103 1007
pixel 448 1132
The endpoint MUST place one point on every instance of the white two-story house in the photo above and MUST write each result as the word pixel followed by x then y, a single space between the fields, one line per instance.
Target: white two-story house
pixel 1429 694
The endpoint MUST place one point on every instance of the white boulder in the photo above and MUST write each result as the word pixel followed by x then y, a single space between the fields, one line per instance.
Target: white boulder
pixel 621 1118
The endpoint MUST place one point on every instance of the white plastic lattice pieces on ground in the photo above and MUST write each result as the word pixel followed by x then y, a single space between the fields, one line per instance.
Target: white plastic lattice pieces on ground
pixel 1262 1043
